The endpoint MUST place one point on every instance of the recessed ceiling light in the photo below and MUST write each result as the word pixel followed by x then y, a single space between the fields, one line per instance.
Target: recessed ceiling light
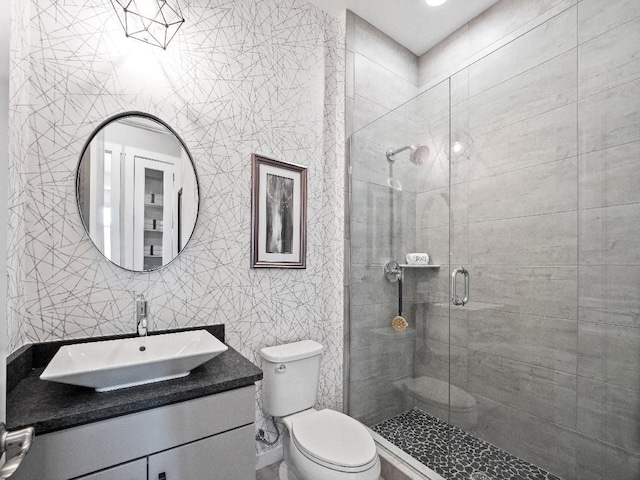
pixel 435 3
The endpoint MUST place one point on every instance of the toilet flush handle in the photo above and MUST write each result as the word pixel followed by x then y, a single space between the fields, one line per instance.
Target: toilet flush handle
pixel 281 369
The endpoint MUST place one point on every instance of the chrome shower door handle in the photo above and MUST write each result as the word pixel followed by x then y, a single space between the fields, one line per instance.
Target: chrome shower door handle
pixel 454 293
pixel 465 300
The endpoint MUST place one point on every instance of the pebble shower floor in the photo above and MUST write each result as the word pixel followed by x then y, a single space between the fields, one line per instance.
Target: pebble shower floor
pixel 453 453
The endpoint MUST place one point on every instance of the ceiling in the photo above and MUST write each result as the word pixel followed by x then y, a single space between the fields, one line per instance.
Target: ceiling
pixel 411 23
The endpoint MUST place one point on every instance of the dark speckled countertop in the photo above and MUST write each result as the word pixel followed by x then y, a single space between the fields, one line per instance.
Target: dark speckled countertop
pixel 50 406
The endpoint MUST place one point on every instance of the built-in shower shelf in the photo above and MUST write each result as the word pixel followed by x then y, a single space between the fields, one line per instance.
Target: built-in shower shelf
pixel 394 271
pixel 406 265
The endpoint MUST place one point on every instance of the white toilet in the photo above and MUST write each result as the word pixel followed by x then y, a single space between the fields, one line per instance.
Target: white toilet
pixel 318 444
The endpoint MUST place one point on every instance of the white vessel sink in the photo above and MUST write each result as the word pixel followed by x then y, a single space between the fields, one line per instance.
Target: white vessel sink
pixel 127 362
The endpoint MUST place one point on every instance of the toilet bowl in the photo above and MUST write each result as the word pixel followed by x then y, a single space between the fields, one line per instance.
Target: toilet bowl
pixel 318 444
pixel 325 444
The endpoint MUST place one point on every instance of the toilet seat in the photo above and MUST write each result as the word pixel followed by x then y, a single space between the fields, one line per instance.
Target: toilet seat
pixel 334 440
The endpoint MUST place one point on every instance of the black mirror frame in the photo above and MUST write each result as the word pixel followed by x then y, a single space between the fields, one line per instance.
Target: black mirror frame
pixel 106 122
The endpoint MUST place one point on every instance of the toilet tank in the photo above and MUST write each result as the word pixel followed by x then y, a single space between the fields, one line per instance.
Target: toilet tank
pixel 290 377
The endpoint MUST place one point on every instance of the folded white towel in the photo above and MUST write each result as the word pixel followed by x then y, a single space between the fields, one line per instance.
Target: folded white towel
pixel 417 259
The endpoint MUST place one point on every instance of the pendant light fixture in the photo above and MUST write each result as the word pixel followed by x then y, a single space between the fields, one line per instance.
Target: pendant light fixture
pixel 155 22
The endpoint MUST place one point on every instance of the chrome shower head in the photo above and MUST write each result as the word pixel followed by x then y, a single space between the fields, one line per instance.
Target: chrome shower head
pixel 419 154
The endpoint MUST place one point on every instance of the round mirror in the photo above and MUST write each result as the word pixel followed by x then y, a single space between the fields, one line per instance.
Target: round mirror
pixel 137 191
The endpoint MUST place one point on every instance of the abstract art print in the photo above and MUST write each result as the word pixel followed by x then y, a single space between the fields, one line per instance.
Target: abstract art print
pixel 278 214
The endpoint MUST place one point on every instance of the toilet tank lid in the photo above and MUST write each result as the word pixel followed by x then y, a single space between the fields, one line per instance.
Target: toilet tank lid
pixel 291 351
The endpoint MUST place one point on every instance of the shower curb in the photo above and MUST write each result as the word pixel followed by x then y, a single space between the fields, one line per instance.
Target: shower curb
pixel 393 468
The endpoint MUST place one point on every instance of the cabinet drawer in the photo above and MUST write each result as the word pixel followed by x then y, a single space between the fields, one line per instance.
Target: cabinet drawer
pixel 71 453
pixel 136 470
pixel 227 456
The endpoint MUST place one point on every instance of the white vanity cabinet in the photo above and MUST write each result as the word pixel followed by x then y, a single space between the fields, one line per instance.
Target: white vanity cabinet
pixel 207 438
pixel 136 470
pixel 221 457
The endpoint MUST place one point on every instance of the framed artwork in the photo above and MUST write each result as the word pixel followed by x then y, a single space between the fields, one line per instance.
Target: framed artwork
pixel 278 214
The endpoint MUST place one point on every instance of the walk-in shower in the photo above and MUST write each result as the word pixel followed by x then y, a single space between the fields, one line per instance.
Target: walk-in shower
pixel 530 368
pixel 435 388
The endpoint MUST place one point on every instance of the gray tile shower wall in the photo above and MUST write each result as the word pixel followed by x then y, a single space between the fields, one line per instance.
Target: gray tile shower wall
pixel 385 74
pixel 543 208
pixel 382 75
pixel 608 330
pixel 563 221
pixel 520 359
pixel 485 34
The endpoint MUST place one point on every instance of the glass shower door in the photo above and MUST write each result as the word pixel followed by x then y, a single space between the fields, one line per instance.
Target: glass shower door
pixel 513 228
pixel 425 428
pixel 154 233
pixel 534 194
pixel 399 378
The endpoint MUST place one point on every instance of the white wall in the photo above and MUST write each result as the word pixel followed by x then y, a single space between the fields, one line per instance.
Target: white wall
pixel 240 77
pixel 4 161
pixel 16 172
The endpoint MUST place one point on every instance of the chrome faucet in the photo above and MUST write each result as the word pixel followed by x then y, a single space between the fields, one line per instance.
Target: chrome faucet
pixel 142 314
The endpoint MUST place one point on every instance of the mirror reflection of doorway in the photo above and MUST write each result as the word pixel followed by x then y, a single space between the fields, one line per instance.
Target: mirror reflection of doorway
pixel 155 236
pixel 137 192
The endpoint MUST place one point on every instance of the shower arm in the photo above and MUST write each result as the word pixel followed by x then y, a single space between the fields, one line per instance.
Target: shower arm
pixel 391 152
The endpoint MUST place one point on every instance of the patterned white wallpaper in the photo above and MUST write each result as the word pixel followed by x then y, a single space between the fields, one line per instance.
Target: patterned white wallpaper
pixel 17 169
pixel 242 76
